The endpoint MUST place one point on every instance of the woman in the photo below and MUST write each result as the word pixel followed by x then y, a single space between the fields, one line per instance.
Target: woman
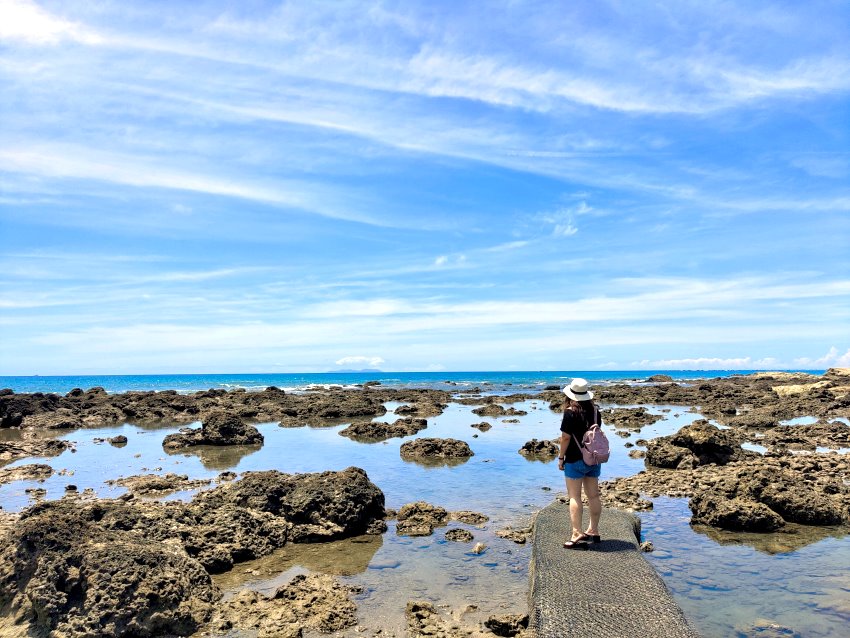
pixel 579 414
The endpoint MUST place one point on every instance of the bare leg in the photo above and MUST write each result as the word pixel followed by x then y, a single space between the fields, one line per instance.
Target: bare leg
pixel 574 490
pixel 594 503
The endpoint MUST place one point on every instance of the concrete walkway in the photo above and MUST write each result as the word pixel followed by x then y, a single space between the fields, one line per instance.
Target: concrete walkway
pixel 607 591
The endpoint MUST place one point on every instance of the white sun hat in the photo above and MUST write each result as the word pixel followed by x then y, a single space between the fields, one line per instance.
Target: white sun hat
pixel 577 390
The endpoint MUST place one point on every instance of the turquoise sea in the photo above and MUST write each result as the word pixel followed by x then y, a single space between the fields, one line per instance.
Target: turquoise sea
pixel 795 584
pixel 497 381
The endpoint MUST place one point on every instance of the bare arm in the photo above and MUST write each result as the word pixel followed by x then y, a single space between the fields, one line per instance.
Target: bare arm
pixel 565 441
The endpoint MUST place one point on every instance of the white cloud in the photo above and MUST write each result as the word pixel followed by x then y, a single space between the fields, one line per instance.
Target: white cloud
pixel 700 363
pixel 25 20
pixel 562 220
pixel 832 359
pixel 88 163
pixel 371 362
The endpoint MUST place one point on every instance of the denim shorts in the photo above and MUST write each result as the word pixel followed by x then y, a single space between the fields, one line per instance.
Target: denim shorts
pixel 580 469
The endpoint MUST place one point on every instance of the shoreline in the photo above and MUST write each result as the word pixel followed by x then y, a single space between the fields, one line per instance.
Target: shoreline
pixel 758 409
pixel 190 383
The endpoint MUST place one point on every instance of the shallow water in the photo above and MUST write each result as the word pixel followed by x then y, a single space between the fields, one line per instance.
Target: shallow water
pixel 724 582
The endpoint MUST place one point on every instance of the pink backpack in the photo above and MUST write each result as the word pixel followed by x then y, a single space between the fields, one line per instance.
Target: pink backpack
pixel 594 444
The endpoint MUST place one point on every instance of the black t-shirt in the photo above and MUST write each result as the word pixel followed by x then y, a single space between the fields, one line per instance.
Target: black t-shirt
pixel 576 423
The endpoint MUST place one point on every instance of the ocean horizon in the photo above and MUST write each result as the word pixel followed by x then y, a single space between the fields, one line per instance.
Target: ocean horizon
pixel 496 380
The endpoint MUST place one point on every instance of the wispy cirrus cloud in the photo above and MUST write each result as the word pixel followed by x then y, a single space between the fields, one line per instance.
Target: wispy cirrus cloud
pixel 330 179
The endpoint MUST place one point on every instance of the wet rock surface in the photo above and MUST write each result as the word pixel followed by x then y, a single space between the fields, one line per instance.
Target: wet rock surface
pixel 508 625
pixel 425 619
pixel 824 433
pixel 496 410
pixel 96 408
pixel 754 398
pixel 470 518
pixel 482 427
pixel 314 602
pixel 31 472
pixel 421 409
pixel 14 450
pixel 459 535
pixel 420 519
pixel 757 494
pixel 64 572
pixel 219 428
pixel 131 568
pixel 629 418
pixel 159 485
pixel 377 431
pixel 518 535
pixel 429 448
pixel 697 444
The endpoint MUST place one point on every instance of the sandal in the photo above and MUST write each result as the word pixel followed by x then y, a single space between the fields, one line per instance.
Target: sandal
pixel 578 543
pixel 593 538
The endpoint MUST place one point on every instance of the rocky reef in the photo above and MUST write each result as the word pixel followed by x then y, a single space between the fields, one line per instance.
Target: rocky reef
pixel 129 568
pixel 96 408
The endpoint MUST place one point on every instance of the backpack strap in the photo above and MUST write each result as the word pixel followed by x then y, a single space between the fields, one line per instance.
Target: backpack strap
pixel 595 414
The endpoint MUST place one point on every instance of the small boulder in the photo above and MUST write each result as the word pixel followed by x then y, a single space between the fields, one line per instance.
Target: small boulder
pixel 219 428
pixel 429 448
pixel 459 535
pixel 541 448
pixel 420 519
pixel 736 514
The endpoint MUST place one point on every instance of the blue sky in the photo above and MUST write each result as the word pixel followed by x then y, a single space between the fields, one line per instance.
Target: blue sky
pixel 309 186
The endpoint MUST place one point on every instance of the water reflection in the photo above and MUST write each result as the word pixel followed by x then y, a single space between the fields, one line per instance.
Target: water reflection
pixel 711 573
pixel 433 462
pixel 792 538
pixel 217 457
pixel 346 557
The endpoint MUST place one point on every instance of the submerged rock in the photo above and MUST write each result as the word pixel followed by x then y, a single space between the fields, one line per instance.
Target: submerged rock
pixel 158 485
pixel 14 450
pixel 517 535
pixel 313 602
pixel 31 472
pixel 459 535
pixel 470 518
pixel 420 519
pixel 508 625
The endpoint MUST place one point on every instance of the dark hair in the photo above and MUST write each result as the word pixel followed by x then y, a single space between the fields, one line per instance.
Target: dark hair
pixel 578 406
